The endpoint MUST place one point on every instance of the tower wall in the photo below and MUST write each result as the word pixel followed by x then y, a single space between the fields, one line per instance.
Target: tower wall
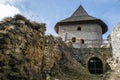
pixel 90 33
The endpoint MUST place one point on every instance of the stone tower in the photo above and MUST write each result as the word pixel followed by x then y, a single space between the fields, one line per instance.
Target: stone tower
pixel 83 30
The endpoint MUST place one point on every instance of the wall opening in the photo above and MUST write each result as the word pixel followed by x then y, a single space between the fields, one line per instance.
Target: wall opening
pixel 95 66
pixel 73 39
pixel 82 41
pixel 79 28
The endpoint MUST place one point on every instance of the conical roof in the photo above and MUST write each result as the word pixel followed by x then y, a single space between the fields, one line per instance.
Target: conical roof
pixel 81 16
pixel 80 12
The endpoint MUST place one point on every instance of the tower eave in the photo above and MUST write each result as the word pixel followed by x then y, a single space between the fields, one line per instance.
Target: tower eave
pixel 97 21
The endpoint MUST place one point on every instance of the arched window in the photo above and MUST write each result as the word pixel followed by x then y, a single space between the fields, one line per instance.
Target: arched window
pixel 73 39
pixel 82 41
pixel 79 28
pixel 95 66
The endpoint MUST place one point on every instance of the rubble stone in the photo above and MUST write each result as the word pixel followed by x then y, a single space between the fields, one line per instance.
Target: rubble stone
pixel 26 53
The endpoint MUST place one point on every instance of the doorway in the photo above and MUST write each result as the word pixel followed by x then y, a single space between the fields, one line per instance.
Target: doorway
pixel 95 66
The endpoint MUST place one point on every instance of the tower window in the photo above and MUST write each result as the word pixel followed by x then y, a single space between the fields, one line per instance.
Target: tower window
pixel 79 28
pixel 73 39
pixel 82 41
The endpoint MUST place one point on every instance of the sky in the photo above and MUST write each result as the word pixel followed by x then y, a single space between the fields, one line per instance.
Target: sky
pixel 52 11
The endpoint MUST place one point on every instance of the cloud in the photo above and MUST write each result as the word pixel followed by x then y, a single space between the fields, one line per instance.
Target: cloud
pixel 11 2
pixel 8 10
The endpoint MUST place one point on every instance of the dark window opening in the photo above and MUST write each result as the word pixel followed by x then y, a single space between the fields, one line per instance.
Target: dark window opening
pixel 82 41
pixel 73 39
pixel 79 28
pixel 95 66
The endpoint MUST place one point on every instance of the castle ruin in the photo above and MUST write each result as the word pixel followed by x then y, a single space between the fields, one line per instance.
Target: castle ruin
pixel 85 32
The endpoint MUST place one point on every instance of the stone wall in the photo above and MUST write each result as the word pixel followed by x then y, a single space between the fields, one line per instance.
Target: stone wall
pixel 21 49
pixel 83 55
pixel 115 41
pixel 27 54
pixel 90 33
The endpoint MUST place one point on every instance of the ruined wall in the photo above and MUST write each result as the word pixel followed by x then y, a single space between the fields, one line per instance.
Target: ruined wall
pixel 115 41
pixel 83 55
pixel 21 49
pixel 27 54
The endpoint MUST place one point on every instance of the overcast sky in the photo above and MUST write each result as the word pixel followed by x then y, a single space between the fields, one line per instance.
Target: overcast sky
pixel 52 11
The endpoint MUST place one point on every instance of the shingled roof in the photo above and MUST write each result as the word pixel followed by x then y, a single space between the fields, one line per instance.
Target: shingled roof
pixel 81 16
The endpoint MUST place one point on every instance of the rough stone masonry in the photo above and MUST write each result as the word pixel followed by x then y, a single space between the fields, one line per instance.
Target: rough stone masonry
pixel 115 41
pixel 21 48
pixel 27 54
